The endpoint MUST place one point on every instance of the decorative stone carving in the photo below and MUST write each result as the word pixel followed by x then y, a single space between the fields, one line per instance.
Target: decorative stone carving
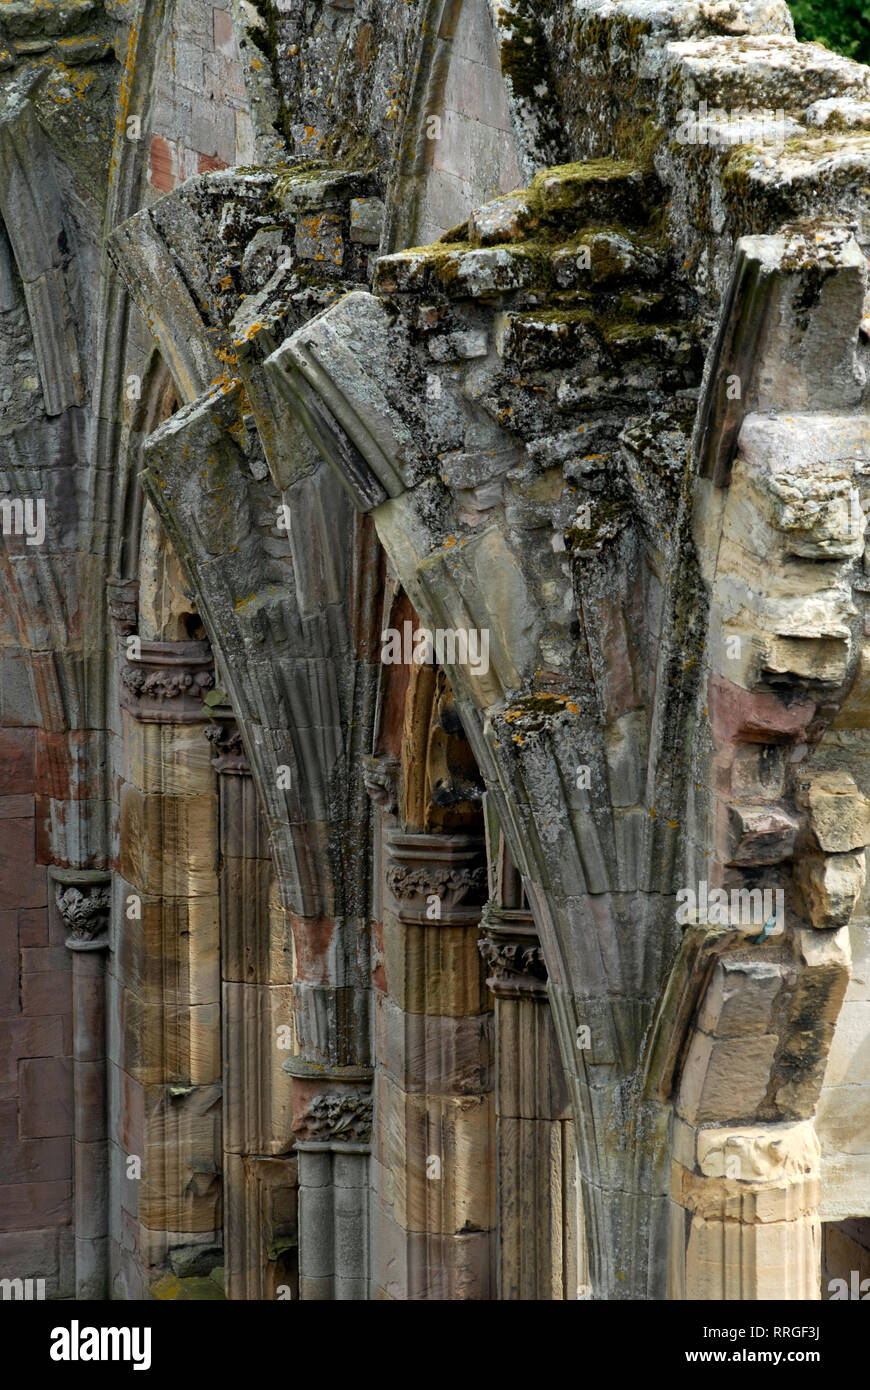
pixel 513 953
pixel 437 879
pixel 738 1187
pixel 409 882
pixel 229 750
pixel 83 899
pixel 763 1153
pixel 381 778
pixel 168 683
pixel 334 1117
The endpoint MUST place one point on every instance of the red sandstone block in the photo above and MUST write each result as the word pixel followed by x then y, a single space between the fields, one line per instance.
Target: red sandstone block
pixel 16 807
pixel 17 747
pixel 8 933
pixel 35 1160
pixel 54 765
pixel 738 715
pixel 62 827
pixel 207 162
pixel 29 1254
pixel 24 1206
pixel 45 1097
pixel 46 992
pixel 42 958
pixel 32 927
pixel 22 881
pixel 69 766
pixel 162 173
pixel 58 931
pixel 28 1037
pixel 224 38
pixel 10 1004
pixel 50 817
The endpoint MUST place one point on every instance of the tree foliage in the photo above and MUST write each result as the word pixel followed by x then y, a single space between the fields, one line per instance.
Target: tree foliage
pixel 843 25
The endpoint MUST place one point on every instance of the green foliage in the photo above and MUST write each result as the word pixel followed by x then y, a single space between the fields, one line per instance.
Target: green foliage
pixel 843 25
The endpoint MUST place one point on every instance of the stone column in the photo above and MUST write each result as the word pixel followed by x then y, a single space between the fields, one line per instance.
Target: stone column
pixel 165 995
pixel 333 1147
pixel 260 1174
pixel 538 1197
pixel 745 1189
pixel 83 898
pixel 434 1199
pixel 744 1214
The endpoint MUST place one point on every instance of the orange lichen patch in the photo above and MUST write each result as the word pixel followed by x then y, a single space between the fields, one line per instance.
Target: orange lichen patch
pixel 69 84
pixel 250 332
pixel 541 703
pixel 127 82
pixel 78 41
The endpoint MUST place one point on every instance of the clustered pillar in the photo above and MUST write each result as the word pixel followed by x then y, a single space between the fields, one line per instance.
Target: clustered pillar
pixel 82 897
pixel 434 1194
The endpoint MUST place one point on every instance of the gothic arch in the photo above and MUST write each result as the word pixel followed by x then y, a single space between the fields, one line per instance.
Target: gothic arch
pixel 602 868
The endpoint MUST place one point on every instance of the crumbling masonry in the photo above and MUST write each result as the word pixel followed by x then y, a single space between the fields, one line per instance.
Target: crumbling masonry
pixel 331 976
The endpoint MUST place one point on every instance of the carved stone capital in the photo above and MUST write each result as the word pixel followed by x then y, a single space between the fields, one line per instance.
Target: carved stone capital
pixel 83 898
pixel 337 1118
pixel 168 683
pixel 513 953
pixel 435 880
pixel 381 779
pixel 229 755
